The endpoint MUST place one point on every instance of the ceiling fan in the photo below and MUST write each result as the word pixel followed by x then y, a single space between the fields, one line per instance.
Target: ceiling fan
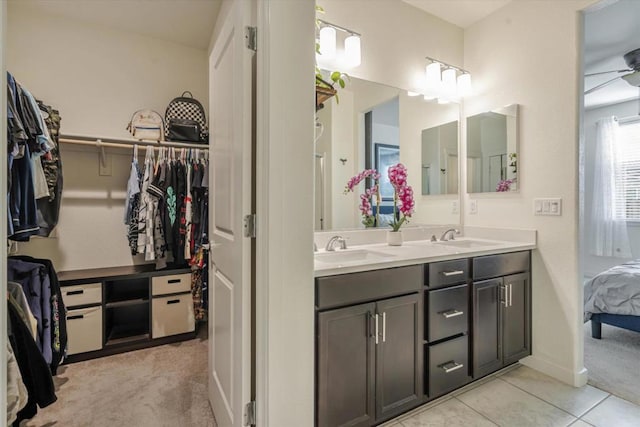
pixel 633 77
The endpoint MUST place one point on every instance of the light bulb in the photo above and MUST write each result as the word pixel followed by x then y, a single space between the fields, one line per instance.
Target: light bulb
pixel 449 83
pixel 328 42
pixel 464 85
pixel 352 51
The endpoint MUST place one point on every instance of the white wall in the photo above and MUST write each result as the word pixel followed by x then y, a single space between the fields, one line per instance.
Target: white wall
pixel 596 264
pixel 96 77
pixel 540 72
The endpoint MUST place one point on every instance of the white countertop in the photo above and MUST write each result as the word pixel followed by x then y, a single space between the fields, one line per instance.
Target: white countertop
pixel 380 255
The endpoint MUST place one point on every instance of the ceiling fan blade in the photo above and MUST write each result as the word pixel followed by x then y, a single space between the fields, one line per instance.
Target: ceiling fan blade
pixel 606 72
pixel 632 78
pixel 600 86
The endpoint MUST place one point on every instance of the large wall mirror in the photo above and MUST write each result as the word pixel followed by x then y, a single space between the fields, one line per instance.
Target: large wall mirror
pixel 372 125
pixel 492 151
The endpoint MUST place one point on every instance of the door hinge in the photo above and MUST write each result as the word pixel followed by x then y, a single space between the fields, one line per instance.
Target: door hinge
pixel 250 413
pixel 250 226
pixel 251 37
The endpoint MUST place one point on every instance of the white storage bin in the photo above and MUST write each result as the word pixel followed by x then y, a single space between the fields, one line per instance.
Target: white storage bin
pixel 84 330
pixel 172 315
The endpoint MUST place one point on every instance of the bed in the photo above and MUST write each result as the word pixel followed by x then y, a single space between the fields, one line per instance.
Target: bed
pixel 613 297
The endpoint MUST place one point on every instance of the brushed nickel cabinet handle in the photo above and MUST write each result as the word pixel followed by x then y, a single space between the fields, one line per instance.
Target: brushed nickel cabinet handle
pixel 77 316
pixel 173 301
pixel 451 366
pixel 384 326
pixel 452 273
pixel 174 281
pixel 452 313
pixel 79 292
pixel 377 331
pixel 504 295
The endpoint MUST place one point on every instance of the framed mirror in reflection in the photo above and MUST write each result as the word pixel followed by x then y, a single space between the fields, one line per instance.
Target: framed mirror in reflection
pixel 492 151
pixel 440 159
pixel 374 126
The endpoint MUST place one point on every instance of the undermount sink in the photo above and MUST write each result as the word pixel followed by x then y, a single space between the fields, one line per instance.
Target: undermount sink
pixel 342 256
pixel 467 243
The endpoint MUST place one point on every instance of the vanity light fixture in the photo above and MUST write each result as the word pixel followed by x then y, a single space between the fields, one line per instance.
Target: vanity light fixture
pixel 445 82
pixel 349 57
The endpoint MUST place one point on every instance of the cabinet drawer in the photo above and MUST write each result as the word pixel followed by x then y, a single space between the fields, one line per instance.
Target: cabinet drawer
pixel 89 293
pixel 172 315
pixel 84 330
pixel 347 289
pixel 448 312
pixel 448 273
pixel 487 267
pixel 448 366
pixel 173 284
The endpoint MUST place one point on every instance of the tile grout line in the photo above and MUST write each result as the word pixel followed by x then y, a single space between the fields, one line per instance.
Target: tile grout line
pixel 594 407
pixel 550 403
pixel 477 412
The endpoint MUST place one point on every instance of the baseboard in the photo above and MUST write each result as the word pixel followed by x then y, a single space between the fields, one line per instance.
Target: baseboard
pixel 576 379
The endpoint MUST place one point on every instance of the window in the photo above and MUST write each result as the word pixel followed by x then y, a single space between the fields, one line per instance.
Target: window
pixel 627 172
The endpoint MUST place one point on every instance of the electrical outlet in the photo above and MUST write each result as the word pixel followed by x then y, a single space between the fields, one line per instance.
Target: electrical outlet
pixel 473 207
pixel 455 207
pixel 550 206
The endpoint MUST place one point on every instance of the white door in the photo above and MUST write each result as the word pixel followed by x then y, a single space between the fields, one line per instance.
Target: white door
pixel 230 109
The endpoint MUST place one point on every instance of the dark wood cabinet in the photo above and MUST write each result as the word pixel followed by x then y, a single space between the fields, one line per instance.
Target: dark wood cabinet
pixel 398 355
pixel 487 333
pixel 389 340
pixel 501 314
pixel 346 366
pixel 516 341
pixel 369 361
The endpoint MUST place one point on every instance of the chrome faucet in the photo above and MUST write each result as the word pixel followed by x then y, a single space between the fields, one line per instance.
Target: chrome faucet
pixel 443 238
pixel 336 239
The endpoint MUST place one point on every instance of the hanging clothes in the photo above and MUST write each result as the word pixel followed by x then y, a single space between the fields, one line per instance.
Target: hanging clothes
pixel 17 396
pixel 35 284
pixel 145 210
pixel 33 368
pixel 132 204
pixel 17 296
pixel 32 132
pixel 58 311
pixel 156 191
pixel 51 163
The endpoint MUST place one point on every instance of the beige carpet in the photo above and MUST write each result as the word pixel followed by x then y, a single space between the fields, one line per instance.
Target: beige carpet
pixel 160 386
pixel 614 361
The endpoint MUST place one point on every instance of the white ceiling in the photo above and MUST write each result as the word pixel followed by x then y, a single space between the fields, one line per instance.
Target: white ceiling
pixel 188 22
pixel 462 13
pixel 610 33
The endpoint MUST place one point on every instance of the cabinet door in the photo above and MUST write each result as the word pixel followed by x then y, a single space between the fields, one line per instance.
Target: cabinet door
pixel 487 333
pixel 399 360
pixel 345 377
pixel 517 318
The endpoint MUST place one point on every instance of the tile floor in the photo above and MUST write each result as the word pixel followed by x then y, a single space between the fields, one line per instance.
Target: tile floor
pixel 522 397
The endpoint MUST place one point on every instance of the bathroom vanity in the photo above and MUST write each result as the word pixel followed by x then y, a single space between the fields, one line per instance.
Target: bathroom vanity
pixel 395 332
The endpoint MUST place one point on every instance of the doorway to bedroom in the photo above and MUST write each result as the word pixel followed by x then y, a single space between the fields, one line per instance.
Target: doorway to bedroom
pixel 610 197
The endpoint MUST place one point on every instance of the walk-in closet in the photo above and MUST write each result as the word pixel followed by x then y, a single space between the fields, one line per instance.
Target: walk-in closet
pixel 110 162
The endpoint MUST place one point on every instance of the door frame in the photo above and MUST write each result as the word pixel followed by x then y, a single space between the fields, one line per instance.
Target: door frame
pixel 284 297
pixel 3 208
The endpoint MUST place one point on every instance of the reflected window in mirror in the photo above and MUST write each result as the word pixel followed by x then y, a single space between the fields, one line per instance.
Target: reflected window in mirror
pixel 492 151
pixel 440 159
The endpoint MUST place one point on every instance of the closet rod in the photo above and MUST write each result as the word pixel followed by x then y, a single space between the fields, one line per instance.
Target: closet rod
pixel 124 143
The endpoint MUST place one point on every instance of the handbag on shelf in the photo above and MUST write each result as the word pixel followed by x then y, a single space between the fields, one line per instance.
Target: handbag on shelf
pixel 186 120
pixel 146 125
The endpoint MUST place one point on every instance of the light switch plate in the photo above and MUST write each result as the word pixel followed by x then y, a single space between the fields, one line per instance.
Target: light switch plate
pixel 547 206
pixel 455 207
pixel 473 207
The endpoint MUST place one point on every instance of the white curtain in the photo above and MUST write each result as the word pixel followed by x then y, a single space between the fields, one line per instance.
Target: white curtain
pixel 608 234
